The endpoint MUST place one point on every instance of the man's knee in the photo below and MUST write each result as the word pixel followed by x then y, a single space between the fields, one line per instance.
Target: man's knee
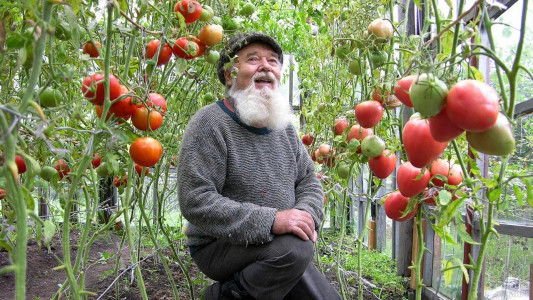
pixel 290 249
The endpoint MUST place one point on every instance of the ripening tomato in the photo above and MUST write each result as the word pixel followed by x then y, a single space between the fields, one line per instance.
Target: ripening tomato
pixel 473 105
pixel 381 28
pixel 21 164
pixel 307 139
pixel 359 133
pixel 207 13
pixel 380 93
pixel 165 54
pixel 323 150
pixel 340 126
pixel 401 89
pixel 158 102
pixel 411 181
pixel 124 107
pixel 190 10
pixel 99 110
pixel 452 172
pixel 442 129
pixel 91 49
pixel 120 181
pixel 368 113
pixel 211 35
pixel 2 194
pixel 97 160
pixel 428 94
pixel 145 119
pixel 139 170
pixel 395 205
pixel 146 151
pixel 186 49
pixel 201 46
pixel 62 168
pixel 372 146
pixel 383 165
pixel 497 140
pixel 93 88
pixel 421 148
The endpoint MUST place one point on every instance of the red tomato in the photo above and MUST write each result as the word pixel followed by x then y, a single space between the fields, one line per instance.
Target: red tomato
pixel 307 139
pixel 359 133
pixel 62 168
pixel 211 35
pixel 453 173
pixel 323 150
pixel 89 48
pixel 99 110
pixel 473 105
pixel 120 181
pixel 156 100
pixel 144 119
pixel 146 151
pixel 395 204
pixel 2 194
pixel 124 107
pixel 442 129
pixel 408 179
pixel 93 88
pixel 401 89
pixel 165 54
pixel 190 10
pixel 420 146
pixel 21 164
pixel 369 113
pixel 139 170
pixel 383 165
pixel 340 125
pixel 186 49
pixel 201 45
pixel 97 160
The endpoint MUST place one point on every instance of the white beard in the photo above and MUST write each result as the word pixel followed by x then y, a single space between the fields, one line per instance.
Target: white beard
pixel 261 107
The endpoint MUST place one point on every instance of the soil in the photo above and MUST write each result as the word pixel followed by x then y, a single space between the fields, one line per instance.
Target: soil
pixel 43 281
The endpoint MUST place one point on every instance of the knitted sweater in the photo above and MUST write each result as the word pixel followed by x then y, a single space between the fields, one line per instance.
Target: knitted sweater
pixel 232 178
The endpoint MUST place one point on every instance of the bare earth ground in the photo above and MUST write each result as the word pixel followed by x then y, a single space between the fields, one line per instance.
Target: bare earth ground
pixel 43 282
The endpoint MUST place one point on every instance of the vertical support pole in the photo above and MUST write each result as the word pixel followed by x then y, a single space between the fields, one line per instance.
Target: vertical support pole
pixel 416 250
pixel 531 282
pixel 372 235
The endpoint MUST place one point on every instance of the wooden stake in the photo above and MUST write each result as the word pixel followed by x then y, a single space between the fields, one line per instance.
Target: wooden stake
pixel 372 235
pixel 415 253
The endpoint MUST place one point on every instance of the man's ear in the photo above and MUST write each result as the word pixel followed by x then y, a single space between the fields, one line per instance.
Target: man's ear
pixel 227 76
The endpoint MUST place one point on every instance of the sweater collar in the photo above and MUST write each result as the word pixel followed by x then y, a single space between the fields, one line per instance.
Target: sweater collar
pixel 226 107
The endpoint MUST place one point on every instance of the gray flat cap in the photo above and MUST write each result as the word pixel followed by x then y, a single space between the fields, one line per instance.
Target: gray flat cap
pixel 238 42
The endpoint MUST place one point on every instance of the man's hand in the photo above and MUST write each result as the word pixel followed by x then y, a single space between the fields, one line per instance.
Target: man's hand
pixel 297 222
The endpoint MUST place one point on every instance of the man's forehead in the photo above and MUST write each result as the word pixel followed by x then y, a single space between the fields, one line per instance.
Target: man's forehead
pixel 255 48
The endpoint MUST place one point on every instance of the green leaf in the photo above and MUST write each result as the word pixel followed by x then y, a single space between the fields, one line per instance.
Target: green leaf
pixel 518 194
pixel 417 2
pixel 49 231
pixel 447 214
pixel 72 19
pixel 444 197
pixel 465 237
pixel 463 268
pixel 494 195
pixel 529 190
pixel 15 42
pixel 444 234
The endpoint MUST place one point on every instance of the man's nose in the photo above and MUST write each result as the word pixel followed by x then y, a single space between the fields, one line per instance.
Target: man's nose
pixel 264 65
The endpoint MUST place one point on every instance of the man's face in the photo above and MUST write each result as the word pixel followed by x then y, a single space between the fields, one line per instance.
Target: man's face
pixel 252 59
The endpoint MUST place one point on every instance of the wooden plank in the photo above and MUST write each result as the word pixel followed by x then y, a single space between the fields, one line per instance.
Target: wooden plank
pixel 372 235
pixel 516 230
pixel 429 242
pixel 404 247
pixel 416 251
pixel 523 108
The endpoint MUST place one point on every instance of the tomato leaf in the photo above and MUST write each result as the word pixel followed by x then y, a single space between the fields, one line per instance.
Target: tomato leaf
pixel 443 233
pixel 417 2
pixel 444 196
pixel 73 24
pixel 49 231
pixel 529 190
pixel 446 215
pixel 464 236
pixel 463 268
pixel 518 194
pixel 494 195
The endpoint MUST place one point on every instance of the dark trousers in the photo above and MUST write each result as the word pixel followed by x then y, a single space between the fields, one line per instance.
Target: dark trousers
pixel 281 269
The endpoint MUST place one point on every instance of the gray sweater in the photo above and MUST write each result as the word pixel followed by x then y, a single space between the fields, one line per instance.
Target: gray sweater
pixel 232 178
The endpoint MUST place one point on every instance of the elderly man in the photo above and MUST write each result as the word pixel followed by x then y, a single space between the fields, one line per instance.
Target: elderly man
pixel 247 185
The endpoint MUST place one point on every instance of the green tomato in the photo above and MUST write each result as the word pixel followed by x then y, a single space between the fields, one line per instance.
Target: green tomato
pixel 230 23
pixel 207 13
pixel 102 170
pixel 247 10
pixel 372 146
pixel 497 140
pixel 48 172
pixel 428 94
pixel 50 97
pixel 378 58
pixel 342 51
pixel 212 57
pixel 208 97
pixel 355 67
pixel 343 170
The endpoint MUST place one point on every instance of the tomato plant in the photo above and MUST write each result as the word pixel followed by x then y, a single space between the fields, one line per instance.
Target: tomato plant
pixel 468 94
pixel 92 49
pixel 62 168
pixel 412 180
pixel 93 88
pixel 369 113
pixel 165 54
pixel 146 151
pixel 383 165
pixel 212 56
pixel 415 134
pixel 395 205
pixel 189 9
pixel 48 172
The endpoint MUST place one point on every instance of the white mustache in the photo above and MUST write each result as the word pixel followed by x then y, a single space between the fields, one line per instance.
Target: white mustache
pixel 265 75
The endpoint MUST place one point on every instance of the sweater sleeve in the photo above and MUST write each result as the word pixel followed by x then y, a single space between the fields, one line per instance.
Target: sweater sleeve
pixel 308 189
pixel 201 177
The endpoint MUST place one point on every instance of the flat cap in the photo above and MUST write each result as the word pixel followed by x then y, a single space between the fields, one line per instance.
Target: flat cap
pixel 238 42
